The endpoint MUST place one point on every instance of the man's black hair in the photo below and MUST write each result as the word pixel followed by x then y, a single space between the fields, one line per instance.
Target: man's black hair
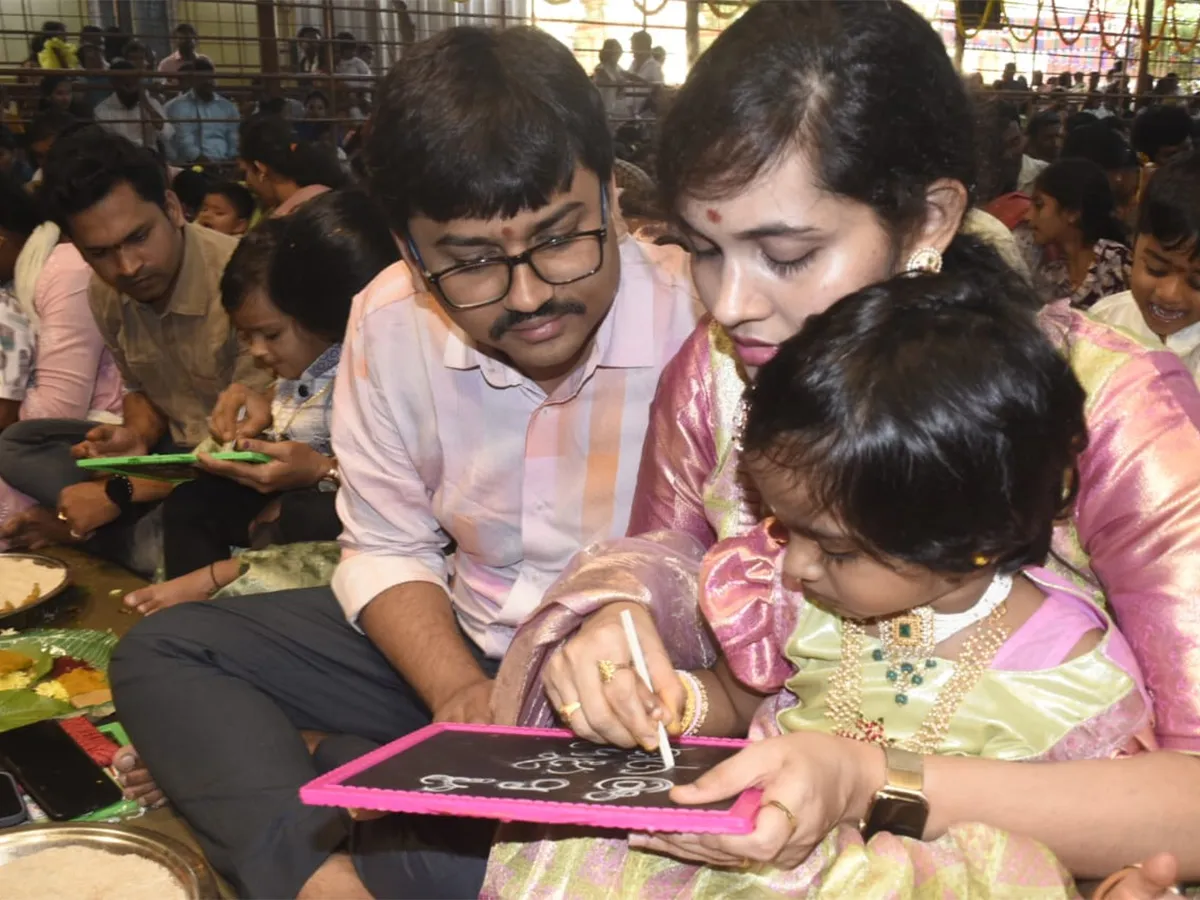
pixel 1170 208
pixel 84 167
pixel 478 123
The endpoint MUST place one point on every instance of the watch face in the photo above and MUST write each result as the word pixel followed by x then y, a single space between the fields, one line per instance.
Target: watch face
pixel 897 813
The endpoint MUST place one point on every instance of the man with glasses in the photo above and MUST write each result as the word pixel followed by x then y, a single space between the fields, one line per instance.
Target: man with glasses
pixel 493 395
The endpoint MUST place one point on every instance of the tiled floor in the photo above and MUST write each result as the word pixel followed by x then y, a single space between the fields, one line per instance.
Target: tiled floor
pixel 94 601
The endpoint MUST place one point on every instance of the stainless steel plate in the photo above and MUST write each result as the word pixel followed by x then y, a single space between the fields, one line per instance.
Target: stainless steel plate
pixel 184 864
pixel 48 595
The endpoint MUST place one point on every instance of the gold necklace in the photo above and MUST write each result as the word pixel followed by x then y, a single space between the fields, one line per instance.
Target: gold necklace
pixel 845 686
pixel 281 433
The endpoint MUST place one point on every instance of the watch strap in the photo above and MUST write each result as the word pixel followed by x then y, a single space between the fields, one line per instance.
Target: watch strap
pixel 119 489
pixel 900 806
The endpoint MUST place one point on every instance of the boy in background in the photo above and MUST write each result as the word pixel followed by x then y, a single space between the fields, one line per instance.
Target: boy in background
pixel 1162 306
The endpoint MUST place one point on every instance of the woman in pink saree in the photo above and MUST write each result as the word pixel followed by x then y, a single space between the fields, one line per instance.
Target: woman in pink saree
pixel 815 147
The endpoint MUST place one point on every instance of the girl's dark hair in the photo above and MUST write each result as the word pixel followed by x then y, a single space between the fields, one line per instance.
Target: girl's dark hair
pixel 313 262
pixel 238 195
pixel 249 268
pixel 931 417
pixel 1081 186
pixel 822 76
pixel 332 247
pixel 20 213
pixel 272 141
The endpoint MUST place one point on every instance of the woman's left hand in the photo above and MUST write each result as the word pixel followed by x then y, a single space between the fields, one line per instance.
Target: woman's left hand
pixel 293 465
pixel 820 779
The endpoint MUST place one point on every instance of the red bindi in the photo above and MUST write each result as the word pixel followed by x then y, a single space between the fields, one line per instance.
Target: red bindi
pixel 713 215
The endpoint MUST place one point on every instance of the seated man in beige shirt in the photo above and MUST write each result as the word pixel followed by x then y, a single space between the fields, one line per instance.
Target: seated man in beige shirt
pixel 156 297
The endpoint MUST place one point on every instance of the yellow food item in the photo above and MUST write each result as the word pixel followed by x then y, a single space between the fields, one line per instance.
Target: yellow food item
pixel 16 681
pixel 83 681
pixel 12 661
pixel 53 690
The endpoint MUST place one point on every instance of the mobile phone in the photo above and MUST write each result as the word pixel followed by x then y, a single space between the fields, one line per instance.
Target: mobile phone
pixel 55 771
pixel 12 804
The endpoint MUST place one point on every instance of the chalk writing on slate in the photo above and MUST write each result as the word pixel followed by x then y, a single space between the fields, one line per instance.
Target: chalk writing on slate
pixel 562 769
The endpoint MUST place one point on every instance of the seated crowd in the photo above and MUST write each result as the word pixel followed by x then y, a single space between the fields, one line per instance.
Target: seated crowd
pixel 892 460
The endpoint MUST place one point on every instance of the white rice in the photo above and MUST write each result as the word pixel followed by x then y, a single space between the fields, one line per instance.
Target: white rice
pixel 82 873
pixel 20 577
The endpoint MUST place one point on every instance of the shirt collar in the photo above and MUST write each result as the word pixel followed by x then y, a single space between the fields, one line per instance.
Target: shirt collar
pixel 1185 340
pixel 624 340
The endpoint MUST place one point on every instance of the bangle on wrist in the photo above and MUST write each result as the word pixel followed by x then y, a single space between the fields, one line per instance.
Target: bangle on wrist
pixel 695 711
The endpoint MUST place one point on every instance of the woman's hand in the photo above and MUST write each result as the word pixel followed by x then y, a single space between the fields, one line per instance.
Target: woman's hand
pixel 293 465
pixel 821 780
pixel 621 711
pixel 224 423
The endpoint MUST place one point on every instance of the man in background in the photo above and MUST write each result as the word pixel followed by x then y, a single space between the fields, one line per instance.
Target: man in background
pixel 130 112
pixel 205 123
pixel 185 50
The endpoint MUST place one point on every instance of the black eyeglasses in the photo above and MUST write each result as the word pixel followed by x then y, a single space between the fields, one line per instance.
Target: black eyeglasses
pixel 558 261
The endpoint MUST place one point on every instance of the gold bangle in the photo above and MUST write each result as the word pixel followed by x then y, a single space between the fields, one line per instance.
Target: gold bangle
pixel 700 704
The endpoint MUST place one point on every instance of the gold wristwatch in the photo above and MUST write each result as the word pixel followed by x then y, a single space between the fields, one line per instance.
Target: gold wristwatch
pixel 900 806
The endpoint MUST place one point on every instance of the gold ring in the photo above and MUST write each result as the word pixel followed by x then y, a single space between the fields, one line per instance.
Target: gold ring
pixel 565 712
pixel 62 517
pixel 783 809
pixel 609 669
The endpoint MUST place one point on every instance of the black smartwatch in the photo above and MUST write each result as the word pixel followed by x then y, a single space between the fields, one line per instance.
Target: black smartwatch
pixel 119 490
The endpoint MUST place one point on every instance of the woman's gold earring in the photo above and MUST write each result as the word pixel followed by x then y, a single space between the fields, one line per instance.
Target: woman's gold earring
pixel 926 261
pixel 980 561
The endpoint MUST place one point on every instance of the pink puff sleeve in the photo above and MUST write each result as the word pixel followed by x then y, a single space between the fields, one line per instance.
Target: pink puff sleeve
pixel 1138 518
pixel 749 611
pixel 679 453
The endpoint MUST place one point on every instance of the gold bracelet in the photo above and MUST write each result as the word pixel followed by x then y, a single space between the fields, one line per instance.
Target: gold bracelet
pixel 700 712
pixel 689 704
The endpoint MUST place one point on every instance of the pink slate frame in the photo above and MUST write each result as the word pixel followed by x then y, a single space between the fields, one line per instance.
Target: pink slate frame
pixel 328 790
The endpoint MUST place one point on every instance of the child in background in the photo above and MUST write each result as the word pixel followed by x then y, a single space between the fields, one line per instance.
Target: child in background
pixel 288 289
pixel 190 186
pixel 228 207
pixel 1162 306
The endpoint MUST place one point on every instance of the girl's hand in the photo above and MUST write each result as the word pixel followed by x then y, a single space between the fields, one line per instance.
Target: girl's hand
pixel 621 711
pixel 1153 879
pixel 821 780
pixel 224 422
pixel 293 465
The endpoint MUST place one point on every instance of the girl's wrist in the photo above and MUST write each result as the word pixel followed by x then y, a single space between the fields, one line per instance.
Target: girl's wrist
pixel 868 776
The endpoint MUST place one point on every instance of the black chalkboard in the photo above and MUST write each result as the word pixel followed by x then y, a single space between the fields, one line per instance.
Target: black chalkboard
pixel 563 769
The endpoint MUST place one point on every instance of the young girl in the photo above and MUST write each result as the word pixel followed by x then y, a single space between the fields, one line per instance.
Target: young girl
pixel 288 289
pixel 1073 214
pixel 915 443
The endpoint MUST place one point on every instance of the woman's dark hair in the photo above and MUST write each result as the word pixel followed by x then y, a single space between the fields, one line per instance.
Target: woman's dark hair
pixel 1098 142
pixel 1170 208
pixel 272 141
pixel 20 213
pixel 1081 186
pixel 249 268
pixel 483 123
pixel 334 245
pixel 821 76
pixel 238 195
pixel 931 417
pixel 84 166
pixel 1159 127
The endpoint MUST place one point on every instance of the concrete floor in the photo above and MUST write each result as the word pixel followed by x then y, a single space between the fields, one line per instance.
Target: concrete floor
pixel 94 601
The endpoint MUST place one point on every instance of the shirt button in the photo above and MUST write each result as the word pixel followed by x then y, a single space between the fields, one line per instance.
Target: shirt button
pixel 302 390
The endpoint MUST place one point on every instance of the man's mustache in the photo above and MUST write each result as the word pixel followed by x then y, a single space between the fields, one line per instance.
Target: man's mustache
pixel 511 318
